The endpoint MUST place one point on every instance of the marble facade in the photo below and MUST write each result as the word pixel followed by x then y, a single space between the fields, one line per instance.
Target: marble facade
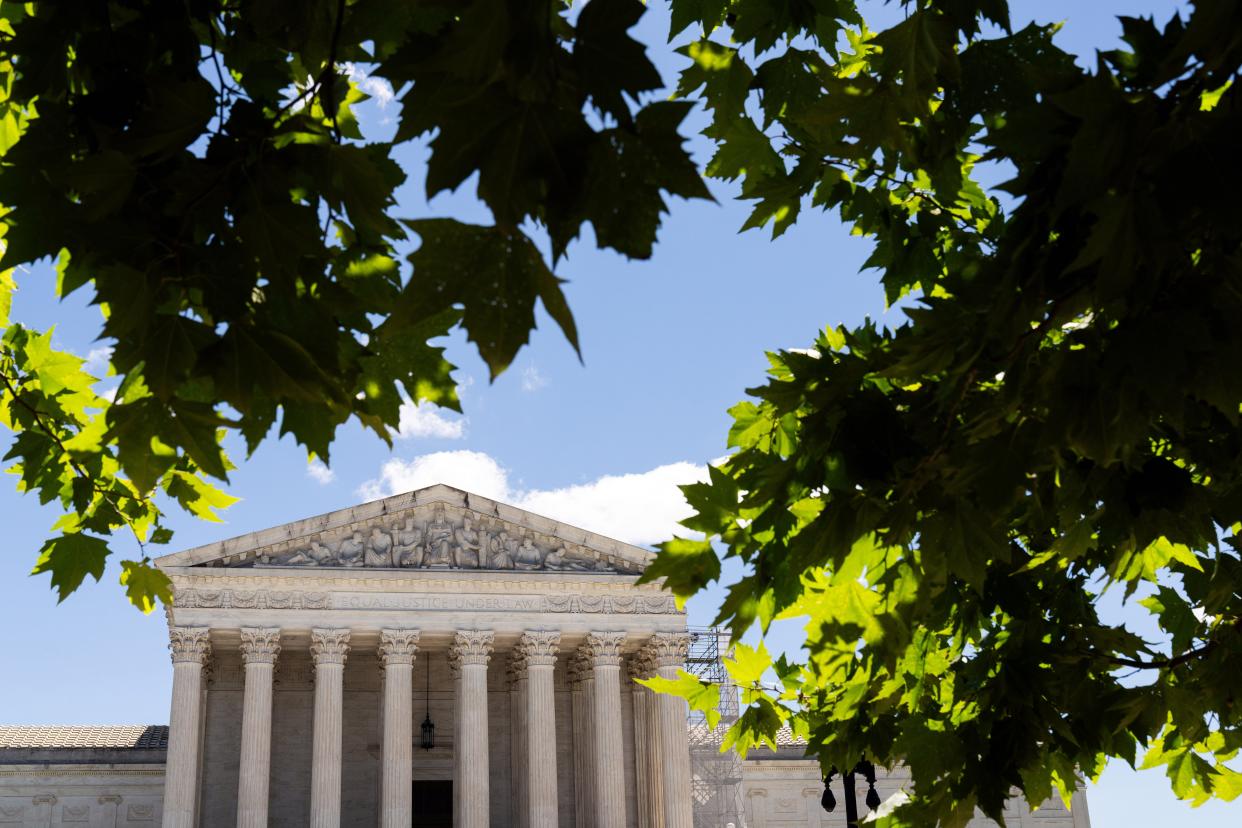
pixel 305 656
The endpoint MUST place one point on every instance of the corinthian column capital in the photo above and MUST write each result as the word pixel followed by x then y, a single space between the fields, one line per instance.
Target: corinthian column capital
pixel 641 665
pixel 471 647
pixel 602 649
pixel 398 646
pixel 668 649
pixel 329 646
pixel 260 645
pixel 189 644
pixel 539 647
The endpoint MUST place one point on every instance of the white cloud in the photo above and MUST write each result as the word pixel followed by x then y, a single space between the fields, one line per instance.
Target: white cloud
pixel 379 89
pixel 425 421
pixel 98 360
pixel 639 508
pixel 532 380
pixel 320 473
pixel 470 470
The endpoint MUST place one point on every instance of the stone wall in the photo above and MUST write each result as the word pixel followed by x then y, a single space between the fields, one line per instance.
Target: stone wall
pixel 81 794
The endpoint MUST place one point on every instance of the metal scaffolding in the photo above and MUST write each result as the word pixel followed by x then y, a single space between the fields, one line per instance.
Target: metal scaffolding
pixel 716 778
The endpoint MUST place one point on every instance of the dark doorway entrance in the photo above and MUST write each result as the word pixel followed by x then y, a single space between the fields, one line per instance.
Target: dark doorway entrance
pixel 433 803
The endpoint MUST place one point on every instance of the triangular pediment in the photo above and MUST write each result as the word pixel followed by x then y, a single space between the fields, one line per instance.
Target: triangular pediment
pixel 436 528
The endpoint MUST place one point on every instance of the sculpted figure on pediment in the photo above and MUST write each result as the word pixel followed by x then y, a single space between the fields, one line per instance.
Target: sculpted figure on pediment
pixel 351 550
pixel 468 548
pixel 315 555
pixel 408 550
pixel 379 548
pixel 450 539
pixel 527 555
pixel 572 558
pixel 499 556
pixel 439 544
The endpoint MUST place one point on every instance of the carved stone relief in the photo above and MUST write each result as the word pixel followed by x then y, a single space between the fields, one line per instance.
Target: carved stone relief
pixel 656 604
pixel 75 813
pixel 140 813
pixel 439 537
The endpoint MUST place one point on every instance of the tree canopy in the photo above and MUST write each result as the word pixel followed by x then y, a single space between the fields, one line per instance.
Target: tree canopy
pixel 198 166
pixel 946 501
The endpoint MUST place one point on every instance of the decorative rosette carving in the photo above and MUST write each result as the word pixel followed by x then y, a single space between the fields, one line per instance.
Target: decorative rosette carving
pixel 602 649
pixel 189 644
pixel 398 646
pixel 471 647
pixel 539 647
pixel 260 645
pixel 668 649
pixel 329 646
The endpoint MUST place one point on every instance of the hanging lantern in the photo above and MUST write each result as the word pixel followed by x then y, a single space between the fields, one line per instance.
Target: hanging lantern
pixel 429 729
pixel 429 734
pixel 873 796
pixel 828 802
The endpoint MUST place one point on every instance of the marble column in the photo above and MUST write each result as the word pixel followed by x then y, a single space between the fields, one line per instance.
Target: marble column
pixel 602 651
pixel 397 650
pixel 668 650
pixel 644 791
pixel 190 647
pixel 517 741
pixel 259 648
pixel 582 684
pixel 471 651
pixel 329 648
pixel 539 649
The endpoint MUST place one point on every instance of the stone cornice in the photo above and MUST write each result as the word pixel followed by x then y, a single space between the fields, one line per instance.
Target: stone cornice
pixel 384 580
pixel 99 769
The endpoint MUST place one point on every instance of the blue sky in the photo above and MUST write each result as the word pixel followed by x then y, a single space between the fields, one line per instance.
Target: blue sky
pixel 668 345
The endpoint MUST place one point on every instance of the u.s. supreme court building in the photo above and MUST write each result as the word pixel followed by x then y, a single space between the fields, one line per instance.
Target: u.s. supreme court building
pixel 434 658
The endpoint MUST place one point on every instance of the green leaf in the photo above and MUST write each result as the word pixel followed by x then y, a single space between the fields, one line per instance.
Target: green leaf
pixel 7 286
pixel 197 496
pixel 144 584
pixel 685 565
pixel 493 275
pixel 702 696
pixel 609 61
pixel 1176 617
pixel 746 665
pixel 70 558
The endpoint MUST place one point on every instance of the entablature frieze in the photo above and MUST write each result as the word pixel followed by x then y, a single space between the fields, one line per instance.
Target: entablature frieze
pixel 362 601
